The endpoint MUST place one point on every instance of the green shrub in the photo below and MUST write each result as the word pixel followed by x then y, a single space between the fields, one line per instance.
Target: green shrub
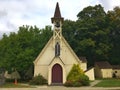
pixel 38 80
pixel 74 73
pixel 84 80
pixel 72 84
pixel 68 83
pixel 9 80
pixel 76 77
pixel 76 84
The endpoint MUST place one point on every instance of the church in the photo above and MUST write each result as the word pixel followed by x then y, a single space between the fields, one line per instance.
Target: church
pixel 57 57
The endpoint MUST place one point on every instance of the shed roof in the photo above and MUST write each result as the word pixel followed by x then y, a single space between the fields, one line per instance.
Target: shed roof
pixel 116 66
pixel 103 65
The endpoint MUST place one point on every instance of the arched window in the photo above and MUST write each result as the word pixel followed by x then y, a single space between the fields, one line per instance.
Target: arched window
pixel 57 49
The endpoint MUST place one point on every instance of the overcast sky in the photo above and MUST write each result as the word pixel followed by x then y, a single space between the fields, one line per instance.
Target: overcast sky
pixel 15 13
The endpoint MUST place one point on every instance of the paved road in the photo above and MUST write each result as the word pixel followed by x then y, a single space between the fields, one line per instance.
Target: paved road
pixel 62 88
pixel 65 88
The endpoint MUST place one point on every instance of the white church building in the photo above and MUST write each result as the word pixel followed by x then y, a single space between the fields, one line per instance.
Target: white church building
pixel 57 57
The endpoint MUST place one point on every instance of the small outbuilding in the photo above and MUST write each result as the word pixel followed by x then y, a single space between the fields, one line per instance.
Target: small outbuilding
pixel 116 71
pixel 103 69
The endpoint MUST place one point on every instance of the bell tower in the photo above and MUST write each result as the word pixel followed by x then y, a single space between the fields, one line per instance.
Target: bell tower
pixel 57 21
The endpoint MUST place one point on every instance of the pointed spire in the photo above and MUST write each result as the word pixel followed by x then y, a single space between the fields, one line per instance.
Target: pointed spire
pixel 57 14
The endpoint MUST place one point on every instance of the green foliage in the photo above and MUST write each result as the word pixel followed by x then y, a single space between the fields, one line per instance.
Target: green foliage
pixel 77 84
pixel 74 73
pixel 2 79
pixel 68 83
pixel 19 50
pixel 76 77
pixel 38 80
pixel 96 12
pixel 114 27
pixel 10 80
pixel 15 75
pixel 72 84
pixel 29 73
pixel 84 80
pixel 95 34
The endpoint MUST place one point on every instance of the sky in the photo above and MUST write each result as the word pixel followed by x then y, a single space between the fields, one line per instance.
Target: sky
pixel 15 13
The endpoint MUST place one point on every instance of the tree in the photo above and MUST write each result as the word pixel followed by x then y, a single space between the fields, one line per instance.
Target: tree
pixel 114 27
pixel 15 75
pixel 89 35
pixel 2 78
pixel 29 73
pixel 69 32
pixel 19 50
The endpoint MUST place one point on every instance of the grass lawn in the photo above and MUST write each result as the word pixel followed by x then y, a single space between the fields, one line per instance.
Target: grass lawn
pixel 12 85
pixel 109 83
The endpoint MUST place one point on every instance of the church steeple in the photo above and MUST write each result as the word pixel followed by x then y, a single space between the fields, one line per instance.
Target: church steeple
pixel 57 14
pixel 57 21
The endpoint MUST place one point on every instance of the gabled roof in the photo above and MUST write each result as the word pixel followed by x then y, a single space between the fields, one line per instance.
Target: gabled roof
pixel 43 50
pixel 103 65
pixel 54 58
pixel 74 54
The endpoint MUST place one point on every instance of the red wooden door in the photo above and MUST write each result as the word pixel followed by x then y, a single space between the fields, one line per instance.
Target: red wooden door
pixel 57 74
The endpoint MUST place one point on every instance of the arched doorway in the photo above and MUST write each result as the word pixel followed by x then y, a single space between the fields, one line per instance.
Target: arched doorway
pixel 57 74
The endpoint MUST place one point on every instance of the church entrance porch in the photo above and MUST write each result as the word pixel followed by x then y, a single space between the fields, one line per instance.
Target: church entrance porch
pixel 57 74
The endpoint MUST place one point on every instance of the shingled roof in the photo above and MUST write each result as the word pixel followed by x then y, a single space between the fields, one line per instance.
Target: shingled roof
pixel 116 66
pixel 103 65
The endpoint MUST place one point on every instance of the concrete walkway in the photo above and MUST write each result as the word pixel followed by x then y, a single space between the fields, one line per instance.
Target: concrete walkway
pixel 94 83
